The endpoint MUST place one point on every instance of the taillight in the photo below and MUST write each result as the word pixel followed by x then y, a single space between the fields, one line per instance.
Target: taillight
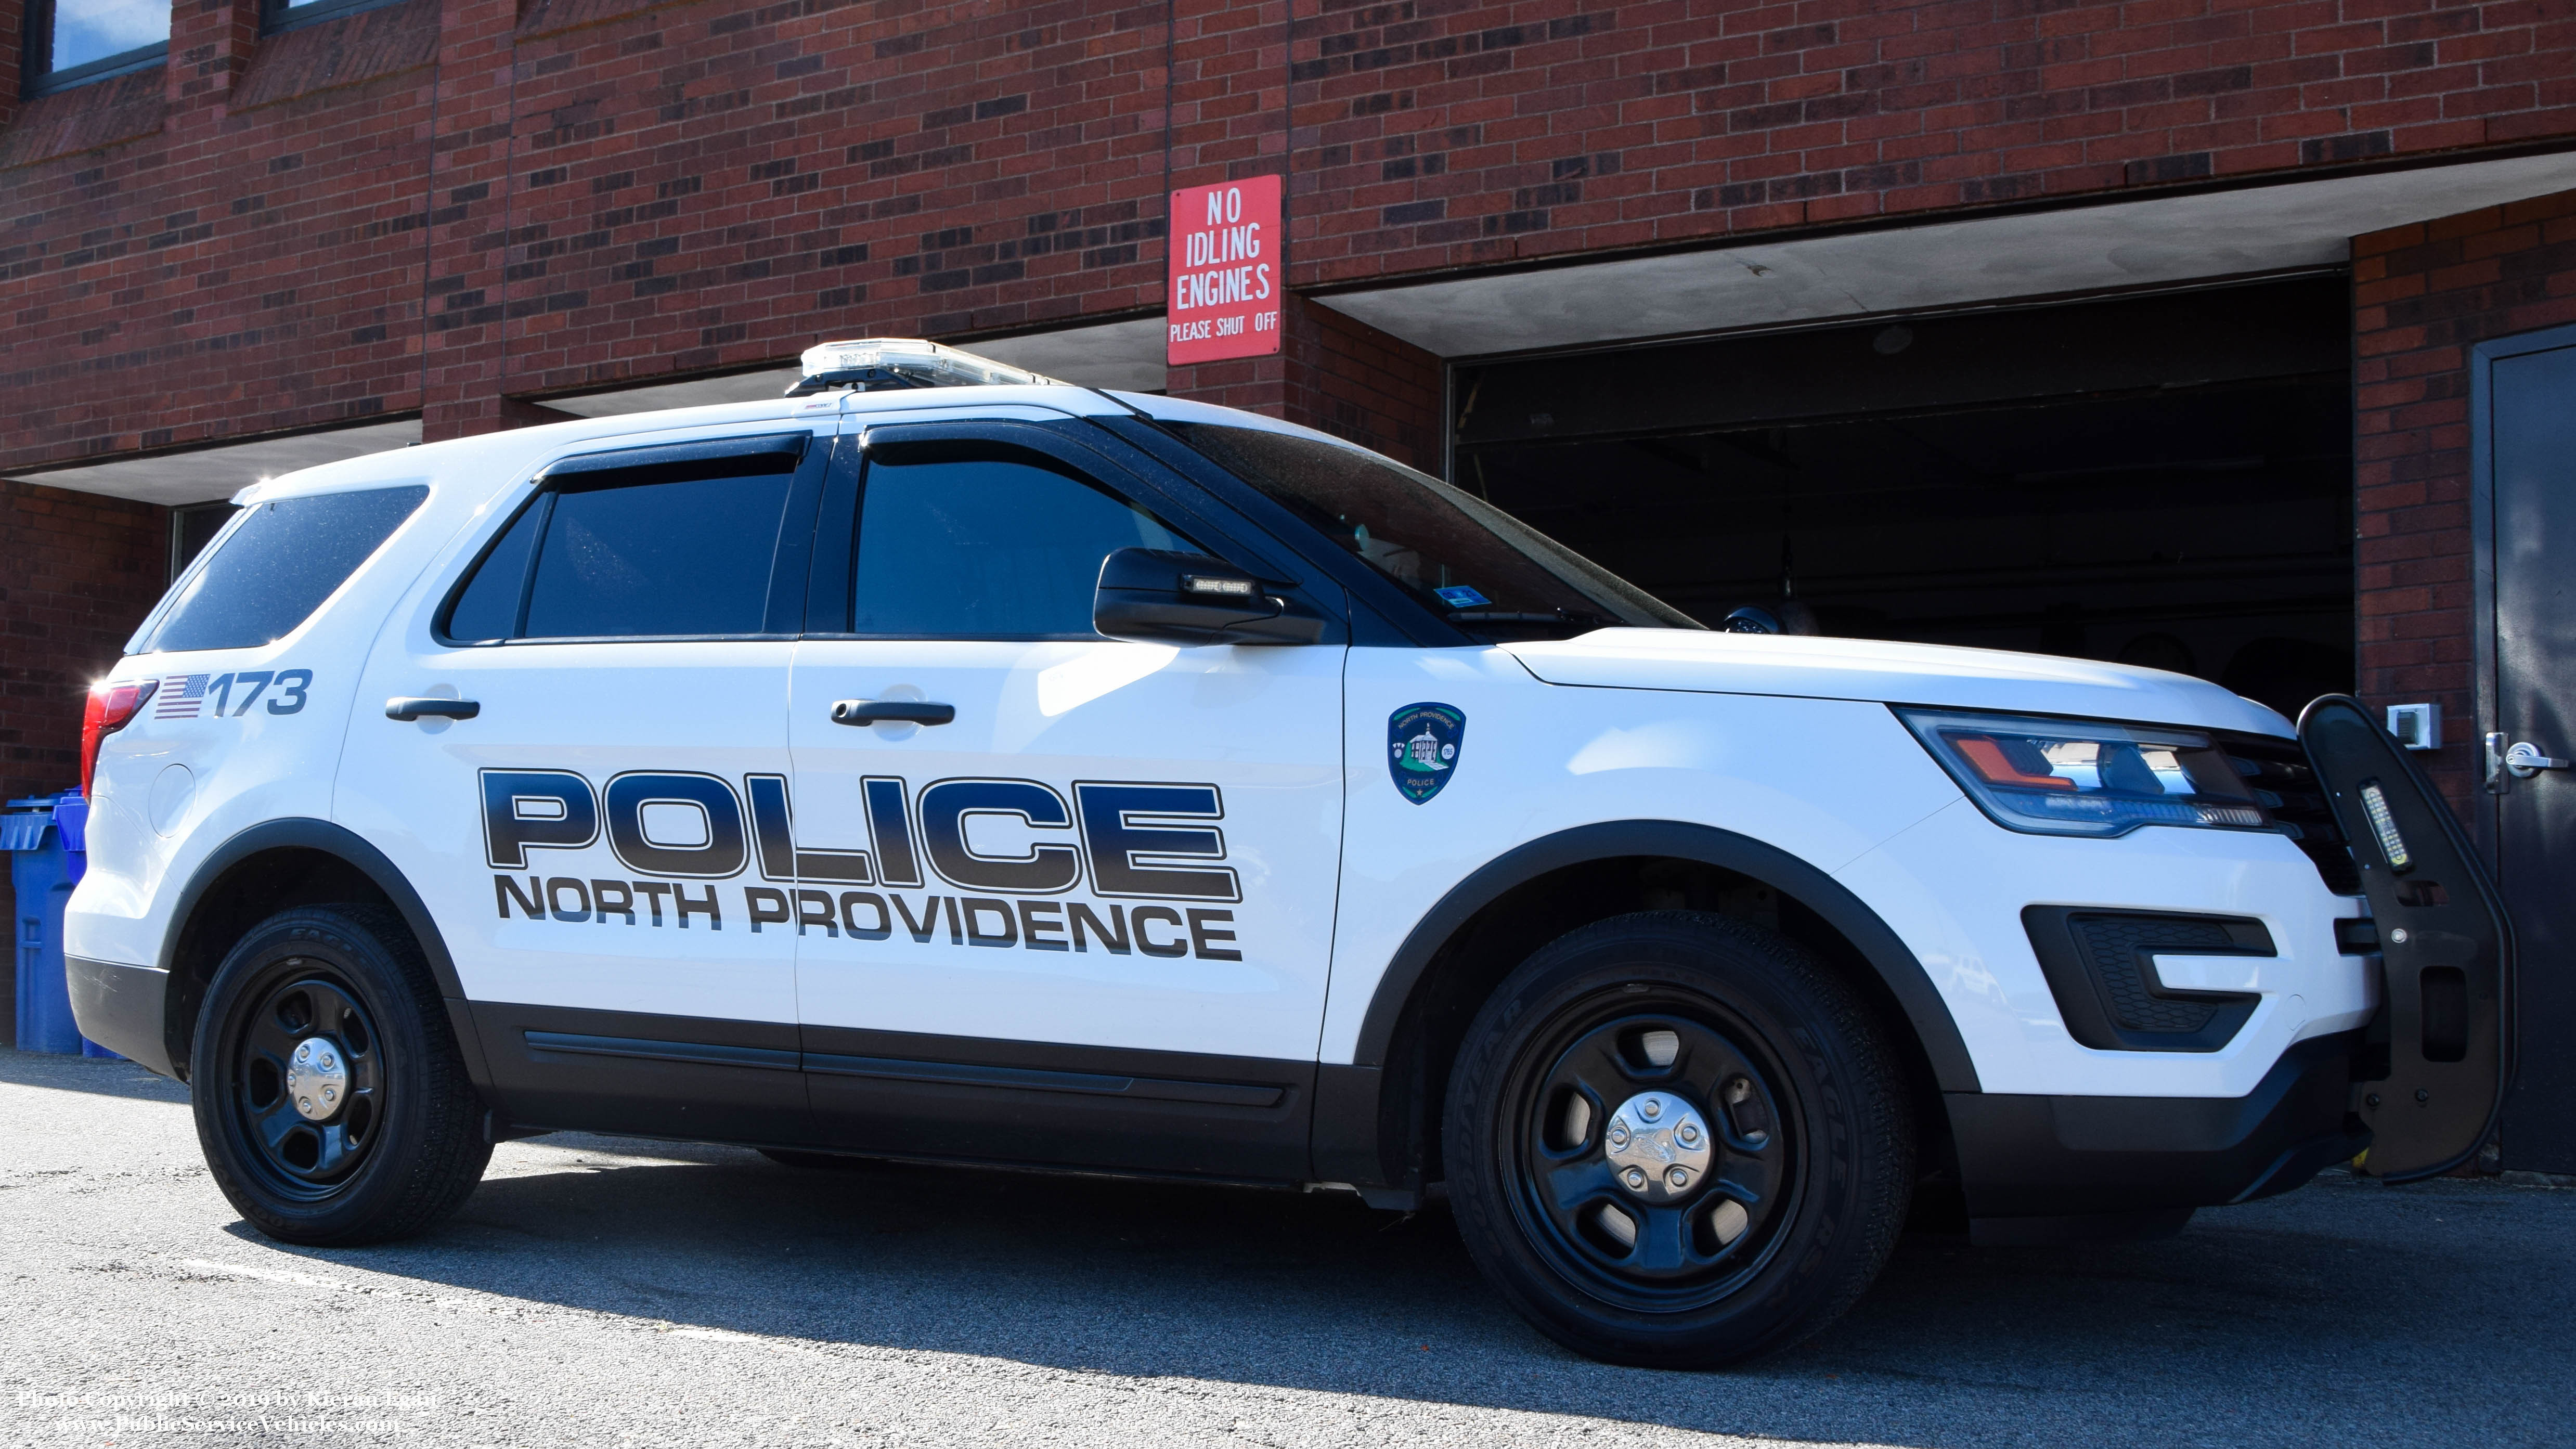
pixel 110 706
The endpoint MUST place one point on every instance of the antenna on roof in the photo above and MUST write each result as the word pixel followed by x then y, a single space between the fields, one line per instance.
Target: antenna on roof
pixel 883 363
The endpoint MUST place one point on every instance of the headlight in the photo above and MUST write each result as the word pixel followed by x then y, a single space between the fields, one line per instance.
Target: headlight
pixel 2078 777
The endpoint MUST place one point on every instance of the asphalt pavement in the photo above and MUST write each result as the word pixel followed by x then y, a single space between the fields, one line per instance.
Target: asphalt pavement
pixel 611 1292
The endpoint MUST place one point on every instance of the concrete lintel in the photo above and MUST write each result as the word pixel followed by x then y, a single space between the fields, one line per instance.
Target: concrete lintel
pixel 689 392
pixel 2104 247
pixel 208 475
pixel 1127 355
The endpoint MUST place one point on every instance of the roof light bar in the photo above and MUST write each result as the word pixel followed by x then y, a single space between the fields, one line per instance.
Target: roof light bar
pixel 880 363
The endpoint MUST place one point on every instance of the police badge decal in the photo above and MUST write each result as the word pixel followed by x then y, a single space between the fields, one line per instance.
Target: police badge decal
pixel 1423 741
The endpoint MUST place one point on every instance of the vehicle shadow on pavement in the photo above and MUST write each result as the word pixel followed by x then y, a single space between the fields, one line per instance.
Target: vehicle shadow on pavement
pixel 98 1076
pixel 2343 1312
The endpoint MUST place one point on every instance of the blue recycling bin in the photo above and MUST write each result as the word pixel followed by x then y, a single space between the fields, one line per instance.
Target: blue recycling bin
pixel 47 841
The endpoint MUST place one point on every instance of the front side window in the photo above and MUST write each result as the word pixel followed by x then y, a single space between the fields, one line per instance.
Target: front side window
pixel 1484 571
pixel 630 554
pixel 71 41
pixel 274 566
pixel 986 547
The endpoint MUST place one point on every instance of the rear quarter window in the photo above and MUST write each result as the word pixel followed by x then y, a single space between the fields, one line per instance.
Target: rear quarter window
pixel 275 566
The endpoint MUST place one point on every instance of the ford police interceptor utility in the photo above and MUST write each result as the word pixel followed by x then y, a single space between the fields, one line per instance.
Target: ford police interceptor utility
pixel 946 763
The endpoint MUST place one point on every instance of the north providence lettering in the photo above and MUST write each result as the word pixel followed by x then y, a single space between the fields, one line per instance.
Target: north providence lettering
pixel 1140 841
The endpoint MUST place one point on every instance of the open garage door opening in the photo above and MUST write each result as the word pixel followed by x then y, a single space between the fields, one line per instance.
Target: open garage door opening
pixel 2164 481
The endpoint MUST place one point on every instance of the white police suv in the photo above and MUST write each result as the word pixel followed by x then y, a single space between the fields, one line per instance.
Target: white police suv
pixel 942 762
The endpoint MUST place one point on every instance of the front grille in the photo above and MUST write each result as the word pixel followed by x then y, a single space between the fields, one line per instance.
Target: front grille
pixel 2279 768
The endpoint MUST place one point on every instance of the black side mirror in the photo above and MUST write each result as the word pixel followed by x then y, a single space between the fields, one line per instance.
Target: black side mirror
pixel 1152 596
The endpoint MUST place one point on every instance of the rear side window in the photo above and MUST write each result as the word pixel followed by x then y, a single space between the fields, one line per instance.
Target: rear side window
pixel 276 565
pixel 653 549
pixel 986 548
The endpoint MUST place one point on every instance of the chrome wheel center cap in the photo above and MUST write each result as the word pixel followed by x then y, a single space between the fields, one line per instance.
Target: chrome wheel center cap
pixel 1658 1146
pixel 317 1078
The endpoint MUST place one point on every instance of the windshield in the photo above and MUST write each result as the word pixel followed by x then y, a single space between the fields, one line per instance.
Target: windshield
pixel 1483 570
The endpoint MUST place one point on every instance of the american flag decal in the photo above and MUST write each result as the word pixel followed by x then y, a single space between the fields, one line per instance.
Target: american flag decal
pixel 181 696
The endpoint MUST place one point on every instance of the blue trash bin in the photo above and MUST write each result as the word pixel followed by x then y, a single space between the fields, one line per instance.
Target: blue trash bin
pixel 47 841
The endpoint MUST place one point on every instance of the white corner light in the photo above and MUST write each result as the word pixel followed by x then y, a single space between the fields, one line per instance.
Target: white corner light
pixel 2383 824
pixel 877 363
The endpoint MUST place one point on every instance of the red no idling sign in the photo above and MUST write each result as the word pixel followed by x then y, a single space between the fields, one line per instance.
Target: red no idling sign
pixel 1224 298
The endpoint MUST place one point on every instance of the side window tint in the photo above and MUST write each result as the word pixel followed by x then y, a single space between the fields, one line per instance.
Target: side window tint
pixel 689 557
pixel 276 567
pixel 987 548
pixel 488 607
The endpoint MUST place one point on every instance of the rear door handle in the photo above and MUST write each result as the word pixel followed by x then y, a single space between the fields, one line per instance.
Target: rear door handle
pixel 891 711
pixel 411 709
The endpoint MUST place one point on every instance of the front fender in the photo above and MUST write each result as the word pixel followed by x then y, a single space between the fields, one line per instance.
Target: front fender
pixel 1886 953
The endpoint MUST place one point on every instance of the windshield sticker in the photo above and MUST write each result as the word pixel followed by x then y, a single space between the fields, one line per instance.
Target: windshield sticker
pixel 1423 741
pixel 1459 596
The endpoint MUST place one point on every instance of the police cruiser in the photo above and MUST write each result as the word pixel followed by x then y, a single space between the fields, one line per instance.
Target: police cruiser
pixel 946 763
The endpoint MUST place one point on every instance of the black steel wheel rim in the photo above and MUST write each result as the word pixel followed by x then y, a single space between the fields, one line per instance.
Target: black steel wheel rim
pixel 300 1156
pixel 1703 1245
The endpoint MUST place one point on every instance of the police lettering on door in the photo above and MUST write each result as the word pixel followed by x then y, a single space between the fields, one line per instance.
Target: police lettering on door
pixel 1136 869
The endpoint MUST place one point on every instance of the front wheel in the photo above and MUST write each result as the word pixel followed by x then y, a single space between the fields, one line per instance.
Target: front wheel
pixel 330 1097
pixel 1677 1140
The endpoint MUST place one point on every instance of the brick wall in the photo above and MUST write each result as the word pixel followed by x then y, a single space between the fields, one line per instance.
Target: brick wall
pixel 2424 295
pixel 438 203
pixel 1451 136
pixel 82 571
pixel 1356 382
pixel 77 573
pixel 1336 373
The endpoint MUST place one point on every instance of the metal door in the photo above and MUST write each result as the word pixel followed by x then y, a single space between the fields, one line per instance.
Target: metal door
pixel 2526 535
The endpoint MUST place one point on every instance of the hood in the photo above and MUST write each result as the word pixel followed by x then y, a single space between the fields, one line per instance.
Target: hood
pixel 1871 669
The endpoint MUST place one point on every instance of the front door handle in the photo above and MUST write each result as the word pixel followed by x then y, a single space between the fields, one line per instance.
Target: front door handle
pixel 891 711
pixel 411 709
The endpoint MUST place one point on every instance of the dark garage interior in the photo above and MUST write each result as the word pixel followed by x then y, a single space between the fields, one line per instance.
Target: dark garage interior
pixel 2162 480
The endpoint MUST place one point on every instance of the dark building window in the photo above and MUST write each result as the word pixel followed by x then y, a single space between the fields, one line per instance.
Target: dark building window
pixel 191 528
pixel 73 42
pixel 277 15
pixel 2162 481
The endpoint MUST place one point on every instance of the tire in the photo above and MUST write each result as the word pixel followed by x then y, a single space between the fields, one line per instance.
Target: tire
pixel 396 1144
pixel 1771 1090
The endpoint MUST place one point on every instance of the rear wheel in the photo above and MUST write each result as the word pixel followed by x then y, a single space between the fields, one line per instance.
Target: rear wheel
pixel 1677 1140
pixel 330 1098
